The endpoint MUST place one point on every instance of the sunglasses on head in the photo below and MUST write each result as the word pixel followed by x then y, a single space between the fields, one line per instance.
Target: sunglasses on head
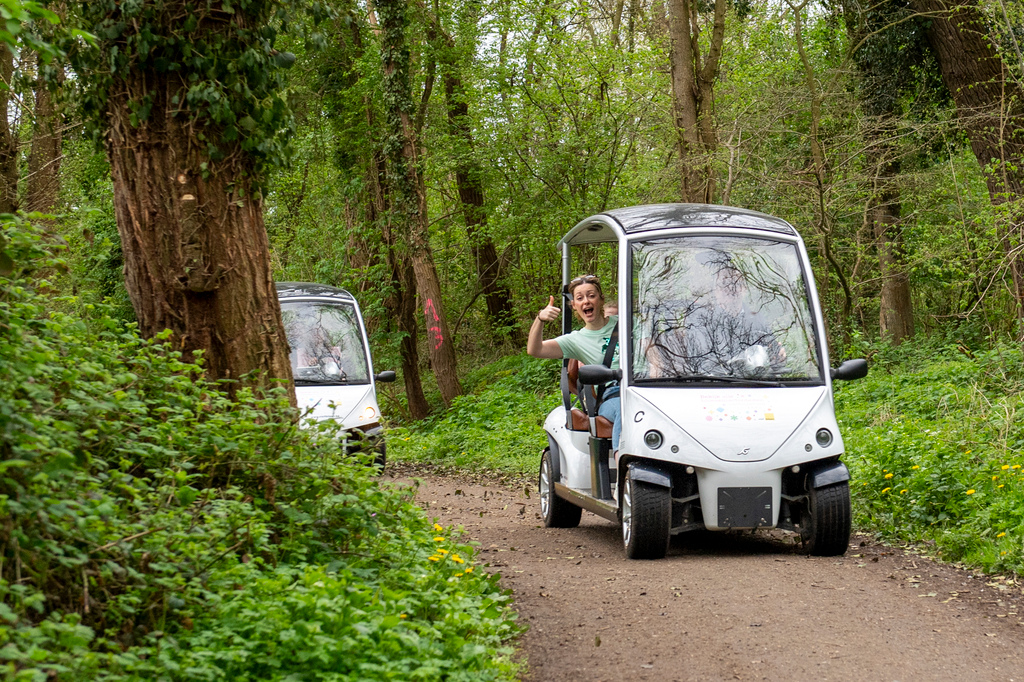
pixel 582 279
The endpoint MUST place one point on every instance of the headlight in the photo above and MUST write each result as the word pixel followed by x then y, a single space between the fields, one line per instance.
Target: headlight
pixel 369 414
pixel 653 439
pixel 824 437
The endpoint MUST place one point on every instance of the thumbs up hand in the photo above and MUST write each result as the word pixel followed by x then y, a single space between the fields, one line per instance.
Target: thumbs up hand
pixel 550 312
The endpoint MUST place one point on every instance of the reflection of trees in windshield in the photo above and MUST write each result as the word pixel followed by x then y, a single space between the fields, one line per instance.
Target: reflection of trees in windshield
pixel 721 306
pixel 326 344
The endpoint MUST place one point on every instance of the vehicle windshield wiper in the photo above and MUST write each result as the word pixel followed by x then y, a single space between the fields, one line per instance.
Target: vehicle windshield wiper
pixel 709 378
pixel 318 382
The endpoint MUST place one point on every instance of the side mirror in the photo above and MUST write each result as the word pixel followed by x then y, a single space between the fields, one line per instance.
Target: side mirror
pixel 387 376
pixel 595 375
pixel 850 370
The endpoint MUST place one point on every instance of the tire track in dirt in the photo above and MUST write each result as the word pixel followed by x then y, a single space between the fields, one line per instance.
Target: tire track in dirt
pixel 736 606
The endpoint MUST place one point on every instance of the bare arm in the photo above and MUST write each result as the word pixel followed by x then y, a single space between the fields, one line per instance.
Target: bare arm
pixel 535 343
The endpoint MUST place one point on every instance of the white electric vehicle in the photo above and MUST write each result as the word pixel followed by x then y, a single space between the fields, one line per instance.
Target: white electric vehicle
pixel 726 391
pixel 331 363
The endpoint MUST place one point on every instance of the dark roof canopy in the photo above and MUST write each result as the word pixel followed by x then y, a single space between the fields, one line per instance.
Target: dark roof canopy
pixel 308 289
pixel 673 216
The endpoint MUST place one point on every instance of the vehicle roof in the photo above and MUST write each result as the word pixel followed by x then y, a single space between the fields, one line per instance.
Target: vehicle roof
pixel 309 289
pixel 653 217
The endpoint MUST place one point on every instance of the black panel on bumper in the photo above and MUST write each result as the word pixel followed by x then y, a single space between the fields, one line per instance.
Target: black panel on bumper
pixel 744 507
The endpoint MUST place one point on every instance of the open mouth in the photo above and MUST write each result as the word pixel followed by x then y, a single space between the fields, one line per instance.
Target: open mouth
pixel 587 310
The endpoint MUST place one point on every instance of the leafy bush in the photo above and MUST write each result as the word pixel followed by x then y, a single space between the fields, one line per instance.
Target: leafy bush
pixel 498 428
pixel 151 528
pixel 935 444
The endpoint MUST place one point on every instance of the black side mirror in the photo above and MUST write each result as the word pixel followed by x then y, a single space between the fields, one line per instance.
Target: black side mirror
pixel 595 375
pixel 850 370
pixel 386 376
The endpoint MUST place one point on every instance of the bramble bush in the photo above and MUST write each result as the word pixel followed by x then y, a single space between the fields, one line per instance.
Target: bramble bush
pixel 153 529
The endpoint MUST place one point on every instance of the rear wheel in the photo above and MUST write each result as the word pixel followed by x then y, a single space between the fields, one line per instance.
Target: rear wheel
pixel 646 518
pixel 557 513
pixel 827 520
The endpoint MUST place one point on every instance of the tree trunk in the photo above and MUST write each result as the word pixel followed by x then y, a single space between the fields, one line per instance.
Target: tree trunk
pixel 44 158
pixel 896 314
pixel 693 82
pixel 471 195
pixel 408 196
pixel 990 106
pixel 195 249
pixel 8 138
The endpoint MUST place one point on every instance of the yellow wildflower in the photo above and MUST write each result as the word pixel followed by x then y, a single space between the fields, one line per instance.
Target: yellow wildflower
pixel 1005 467
pixel 439 539
pixel 469 570
pixel 903 491
pixel 995 478
pixel 434 558
pixel 1001 535
pixel 971 491
pixel 888 475
pixel 438 527
pixel 885 490
pixel 1015 466
pixel 402 615
pixel 1000 485
pixel 442 551
pixel 457 559
pixel 916 466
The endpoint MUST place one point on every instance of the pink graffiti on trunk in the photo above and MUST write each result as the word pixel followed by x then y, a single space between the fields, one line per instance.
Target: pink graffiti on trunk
pixel 428 311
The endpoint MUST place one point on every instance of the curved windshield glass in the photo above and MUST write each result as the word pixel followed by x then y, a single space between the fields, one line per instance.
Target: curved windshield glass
pixel 326 343
pixel 721 309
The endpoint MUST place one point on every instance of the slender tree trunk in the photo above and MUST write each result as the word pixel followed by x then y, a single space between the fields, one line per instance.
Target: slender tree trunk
pixel 8 138
pixel 895 315
pixel 195 249
pixel 468 179
pixel 408 196
pixel 693 80
pixel 990 106
pixel 43 181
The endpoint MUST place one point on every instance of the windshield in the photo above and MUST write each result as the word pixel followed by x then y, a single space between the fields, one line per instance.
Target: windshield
pixel 721 309
pixel 326 343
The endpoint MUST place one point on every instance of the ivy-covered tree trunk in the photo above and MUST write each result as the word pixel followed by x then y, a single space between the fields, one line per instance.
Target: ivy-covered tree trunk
pixel 8 138
pixel 408 196
pixel 43 181
pixel 693 80
pixel 895 307
pixel 990 107
pixel 469 182
pixel 190 115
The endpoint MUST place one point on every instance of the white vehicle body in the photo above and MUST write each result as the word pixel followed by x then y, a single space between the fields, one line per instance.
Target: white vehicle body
pixel 330 357
pixel 725 388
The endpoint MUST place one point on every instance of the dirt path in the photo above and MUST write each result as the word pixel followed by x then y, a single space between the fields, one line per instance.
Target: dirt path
pixel 729 606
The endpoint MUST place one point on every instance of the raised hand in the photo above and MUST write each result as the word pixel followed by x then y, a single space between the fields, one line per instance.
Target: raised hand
pixel 550 312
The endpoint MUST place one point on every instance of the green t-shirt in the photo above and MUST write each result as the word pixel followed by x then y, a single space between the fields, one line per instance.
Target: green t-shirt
pixel 589 345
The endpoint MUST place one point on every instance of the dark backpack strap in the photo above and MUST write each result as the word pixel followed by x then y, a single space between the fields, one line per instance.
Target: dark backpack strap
pixel 609 353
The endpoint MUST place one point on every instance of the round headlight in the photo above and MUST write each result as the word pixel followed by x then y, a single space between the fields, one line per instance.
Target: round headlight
pixel 824 437
pixel 653 439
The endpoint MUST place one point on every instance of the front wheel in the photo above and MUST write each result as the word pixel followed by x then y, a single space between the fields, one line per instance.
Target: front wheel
pixel 646 518
pixel 827 520
pixel 557 513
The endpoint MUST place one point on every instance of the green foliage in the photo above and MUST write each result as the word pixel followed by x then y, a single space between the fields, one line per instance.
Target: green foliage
pixel 935 444
pixel 496 426
pixel 154 529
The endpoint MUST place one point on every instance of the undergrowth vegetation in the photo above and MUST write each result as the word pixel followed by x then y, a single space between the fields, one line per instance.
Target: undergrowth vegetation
pixel 934 441
pixel 153 529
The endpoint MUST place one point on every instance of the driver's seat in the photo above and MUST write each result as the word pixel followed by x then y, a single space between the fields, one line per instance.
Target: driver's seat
pixel 580 420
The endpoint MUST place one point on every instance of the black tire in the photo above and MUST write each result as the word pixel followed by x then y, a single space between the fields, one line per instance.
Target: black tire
pixel 826 523
pixel 646 518
pixel 557 513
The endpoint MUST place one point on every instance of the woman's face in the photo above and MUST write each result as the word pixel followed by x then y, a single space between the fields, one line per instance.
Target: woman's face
pixel 588 302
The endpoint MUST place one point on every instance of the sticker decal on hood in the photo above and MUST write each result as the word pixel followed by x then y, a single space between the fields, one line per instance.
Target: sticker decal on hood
pixel 736 408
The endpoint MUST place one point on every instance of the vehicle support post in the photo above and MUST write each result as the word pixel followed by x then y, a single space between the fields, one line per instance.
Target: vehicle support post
pixel 600 484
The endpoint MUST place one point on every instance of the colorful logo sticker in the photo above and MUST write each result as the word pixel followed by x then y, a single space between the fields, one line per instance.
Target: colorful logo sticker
pixel 742 408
